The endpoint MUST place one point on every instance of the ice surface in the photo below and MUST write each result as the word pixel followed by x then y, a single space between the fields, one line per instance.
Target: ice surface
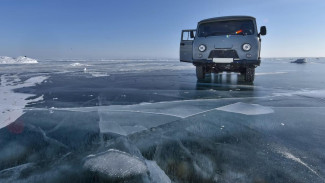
pixel 298 160
pixel 269 73
pixel 320 94
pixel 186 161
pixel 14 172
pixel 129 122
pixel 204 166
pixel 18 60
pixel 12 103
pixel 77 64
pixel 165 122
pixel 108 67
pixel 286 154
pixel 12 151
pixel 98 74
pixel 313 94
pixel 178 108
pixel 130 119
pixel 108 125
pixel 247 109
pixel 123 144
pixel 114 164
pixel 157 175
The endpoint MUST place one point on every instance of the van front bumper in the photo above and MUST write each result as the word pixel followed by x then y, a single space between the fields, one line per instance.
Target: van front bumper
pixel 240 63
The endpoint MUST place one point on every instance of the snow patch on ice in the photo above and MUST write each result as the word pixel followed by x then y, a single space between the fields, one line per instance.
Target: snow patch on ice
pixel 18 60
pixel 11 103
pixel 307 93
pixel 114 164
pixel 247 109
pixel 313 94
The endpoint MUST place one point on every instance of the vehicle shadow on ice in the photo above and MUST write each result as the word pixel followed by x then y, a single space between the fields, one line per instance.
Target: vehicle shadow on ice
pixel 224 81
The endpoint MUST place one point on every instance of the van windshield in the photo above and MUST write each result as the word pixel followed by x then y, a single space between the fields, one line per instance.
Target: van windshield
pixel 232 27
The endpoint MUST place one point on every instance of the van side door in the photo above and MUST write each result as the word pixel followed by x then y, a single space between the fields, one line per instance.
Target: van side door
pixel 186 46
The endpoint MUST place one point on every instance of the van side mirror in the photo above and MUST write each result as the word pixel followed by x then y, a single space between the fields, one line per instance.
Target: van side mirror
pixel 263 31
pixel 192 34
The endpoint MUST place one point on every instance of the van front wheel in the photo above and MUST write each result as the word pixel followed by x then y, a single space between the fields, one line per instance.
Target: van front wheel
pixel 249 74
pixel 200 72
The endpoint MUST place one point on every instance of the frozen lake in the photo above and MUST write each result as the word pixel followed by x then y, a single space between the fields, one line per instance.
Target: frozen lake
pixel 151 121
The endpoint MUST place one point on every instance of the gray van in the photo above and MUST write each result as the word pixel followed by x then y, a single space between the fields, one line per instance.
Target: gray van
pixel 220 44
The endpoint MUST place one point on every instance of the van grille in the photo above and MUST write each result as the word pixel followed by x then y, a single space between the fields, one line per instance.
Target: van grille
pixel 223 54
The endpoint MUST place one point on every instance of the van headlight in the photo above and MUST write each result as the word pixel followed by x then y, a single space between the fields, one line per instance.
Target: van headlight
pixel 247 47
pixel 202 48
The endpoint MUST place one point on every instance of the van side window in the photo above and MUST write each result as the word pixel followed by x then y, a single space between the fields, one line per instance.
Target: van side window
pixel 186 35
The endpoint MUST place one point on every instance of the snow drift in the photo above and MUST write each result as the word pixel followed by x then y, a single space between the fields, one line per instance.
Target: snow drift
pixel 18 60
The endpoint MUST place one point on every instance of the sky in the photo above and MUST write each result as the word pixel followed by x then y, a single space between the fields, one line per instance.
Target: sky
pixel 149 28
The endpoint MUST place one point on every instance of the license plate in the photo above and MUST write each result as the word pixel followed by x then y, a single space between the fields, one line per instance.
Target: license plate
pixel 223 60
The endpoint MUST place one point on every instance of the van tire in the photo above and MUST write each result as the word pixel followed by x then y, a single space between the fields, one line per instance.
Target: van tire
pixel 250 74
pixel 200 72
